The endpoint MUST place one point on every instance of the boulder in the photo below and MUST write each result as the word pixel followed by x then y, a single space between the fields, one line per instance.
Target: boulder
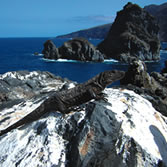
pixel 50 50
pixel 80 49
pixel 137 75
pixel 133 36
pixel 36 53
pixel 125 131
pixel 76 49
pixel 151 86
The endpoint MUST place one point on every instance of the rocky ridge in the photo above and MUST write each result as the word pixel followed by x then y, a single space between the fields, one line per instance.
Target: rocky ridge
pixel 98 32
pixel 160 13
pixel 133 36
pixel 124 131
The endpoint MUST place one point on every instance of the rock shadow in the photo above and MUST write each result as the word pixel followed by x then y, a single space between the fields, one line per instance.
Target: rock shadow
pixel 161 143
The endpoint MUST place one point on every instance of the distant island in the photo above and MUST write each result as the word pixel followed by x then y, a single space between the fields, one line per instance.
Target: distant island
pixel 100 32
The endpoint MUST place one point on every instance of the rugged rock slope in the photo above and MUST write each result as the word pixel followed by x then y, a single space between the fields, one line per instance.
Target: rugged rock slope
pixel 133 35
pixel 125 131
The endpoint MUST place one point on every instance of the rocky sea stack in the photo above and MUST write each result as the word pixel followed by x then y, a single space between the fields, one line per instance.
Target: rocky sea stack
pixel 133 35
pixel 76 49
pixel 50 50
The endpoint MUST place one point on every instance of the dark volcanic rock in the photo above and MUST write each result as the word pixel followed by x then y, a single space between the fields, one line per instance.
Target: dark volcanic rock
pixel 153 87
pixel 75 49
pixel 137 75
pixel 133 35
pixel 80 49
pixel 50 50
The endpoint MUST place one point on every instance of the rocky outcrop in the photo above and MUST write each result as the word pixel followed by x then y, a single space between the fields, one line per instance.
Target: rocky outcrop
pixel 123 131
pixel 76 49
pixel 80 49
pixel 17 87
pixel 50 50
pixel 133 35
pixel 151 86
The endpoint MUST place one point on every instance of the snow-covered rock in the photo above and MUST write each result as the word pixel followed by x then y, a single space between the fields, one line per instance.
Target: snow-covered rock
pixel 126 131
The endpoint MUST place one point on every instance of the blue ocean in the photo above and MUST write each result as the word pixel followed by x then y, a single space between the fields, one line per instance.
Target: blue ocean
pixel 18 54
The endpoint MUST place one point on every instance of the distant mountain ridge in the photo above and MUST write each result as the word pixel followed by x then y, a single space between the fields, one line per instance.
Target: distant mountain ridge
pixel 98 32
pixel 160 12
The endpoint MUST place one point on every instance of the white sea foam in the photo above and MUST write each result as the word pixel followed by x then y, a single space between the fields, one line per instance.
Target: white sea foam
pixel 107 61
pixel 163 51
pixel 39 54
pixel 111 61
pixel 151 61
pixel 66 60
pixel 60 60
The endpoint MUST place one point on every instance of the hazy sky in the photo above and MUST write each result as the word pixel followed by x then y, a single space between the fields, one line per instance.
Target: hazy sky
pixel 49 18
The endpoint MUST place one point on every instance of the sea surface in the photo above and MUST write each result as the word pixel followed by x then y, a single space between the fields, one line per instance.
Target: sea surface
pixel 18 54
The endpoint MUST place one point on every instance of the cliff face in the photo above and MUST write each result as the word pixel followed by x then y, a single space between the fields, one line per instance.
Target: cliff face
pixel 160 13
pixel 124 131
pixel 133 35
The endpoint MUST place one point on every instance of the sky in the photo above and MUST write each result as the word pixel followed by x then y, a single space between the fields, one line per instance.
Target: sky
pixel 49 18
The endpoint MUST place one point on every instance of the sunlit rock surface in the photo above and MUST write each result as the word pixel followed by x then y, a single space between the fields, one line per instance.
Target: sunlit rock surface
pixel 125 131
